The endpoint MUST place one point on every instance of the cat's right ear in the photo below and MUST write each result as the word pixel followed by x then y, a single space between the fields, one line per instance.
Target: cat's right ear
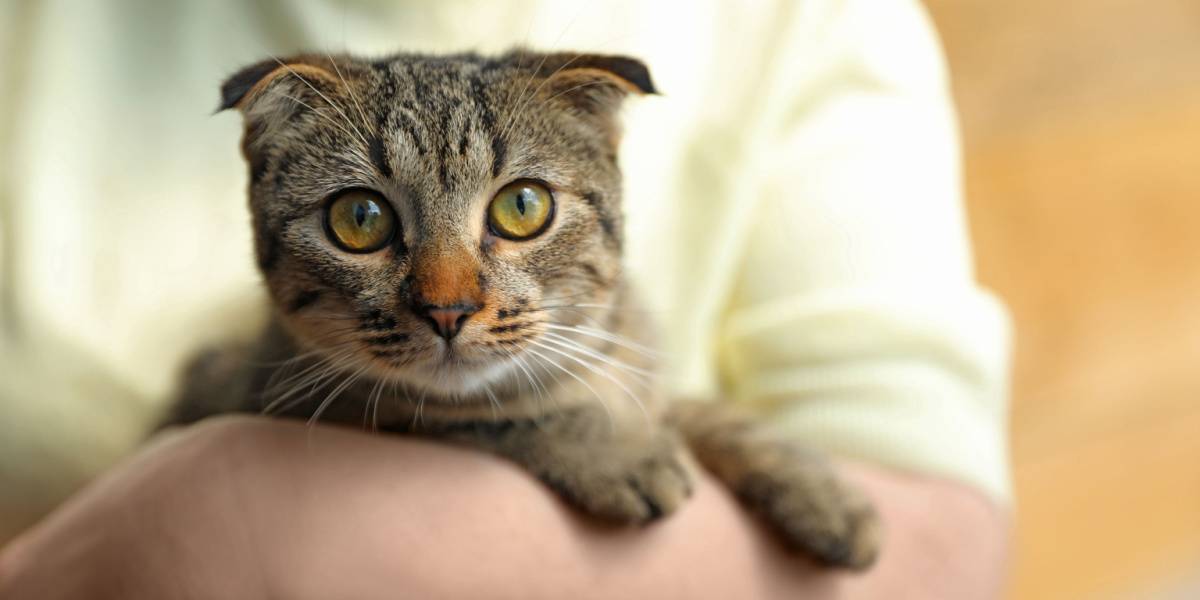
pixel 239 84
pixel 270 92
pixel 297 78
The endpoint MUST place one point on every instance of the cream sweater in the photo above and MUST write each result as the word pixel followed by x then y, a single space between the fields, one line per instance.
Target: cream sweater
pixel 793 203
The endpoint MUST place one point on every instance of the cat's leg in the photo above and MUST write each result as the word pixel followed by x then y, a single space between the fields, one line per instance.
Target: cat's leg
pixel 794 488
pixel 215 381
pixel 631 474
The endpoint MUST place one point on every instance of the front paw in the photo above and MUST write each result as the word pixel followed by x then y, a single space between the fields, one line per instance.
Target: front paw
pixel 635 484
pixel 816 513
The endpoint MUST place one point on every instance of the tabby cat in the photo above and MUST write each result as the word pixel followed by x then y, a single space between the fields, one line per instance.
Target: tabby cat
pixel 441 239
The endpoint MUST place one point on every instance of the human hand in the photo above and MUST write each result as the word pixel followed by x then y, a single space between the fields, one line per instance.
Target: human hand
pixel 251 508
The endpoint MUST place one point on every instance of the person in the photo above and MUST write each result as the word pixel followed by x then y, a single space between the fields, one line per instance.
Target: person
pixel 794 195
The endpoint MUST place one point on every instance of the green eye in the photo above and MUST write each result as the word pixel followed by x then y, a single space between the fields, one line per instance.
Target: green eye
pixel 521 210
pixel 360 221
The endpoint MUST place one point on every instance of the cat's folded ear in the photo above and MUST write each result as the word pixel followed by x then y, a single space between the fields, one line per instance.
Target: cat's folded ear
pixel 593 86
pixel 268 93
pixel 594 83
pixel 253 82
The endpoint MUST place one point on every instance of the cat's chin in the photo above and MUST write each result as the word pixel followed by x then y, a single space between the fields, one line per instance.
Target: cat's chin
pixel 457 378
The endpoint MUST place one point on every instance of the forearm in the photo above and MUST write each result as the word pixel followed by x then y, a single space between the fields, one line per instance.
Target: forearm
pixel 286 512
pixel 468 525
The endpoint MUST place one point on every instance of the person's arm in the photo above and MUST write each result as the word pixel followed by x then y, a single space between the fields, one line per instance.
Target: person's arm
pixel 250 508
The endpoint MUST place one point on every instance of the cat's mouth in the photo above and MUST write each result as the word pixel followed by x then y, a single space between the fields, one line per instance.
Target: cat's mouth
pixel 454 368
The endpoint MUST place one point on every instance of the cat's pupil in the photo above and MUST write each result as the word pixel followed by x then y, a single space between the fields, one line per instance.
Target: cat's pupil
pixel 360 215
pixel 521 201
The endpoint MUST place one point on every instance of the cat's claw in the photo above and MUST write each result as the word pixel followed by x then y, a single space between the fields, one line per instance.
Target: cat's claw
pixel 638 491
pixel 833 524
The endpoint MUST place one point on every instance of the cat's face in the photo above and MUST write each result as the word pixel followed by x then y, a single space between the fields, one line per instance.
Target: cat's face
pixel 428 219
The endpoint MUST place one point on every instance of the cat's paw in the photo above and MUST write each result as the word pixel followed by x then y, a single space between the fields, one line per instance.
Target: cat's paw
pixel 817 514
pixel 629 485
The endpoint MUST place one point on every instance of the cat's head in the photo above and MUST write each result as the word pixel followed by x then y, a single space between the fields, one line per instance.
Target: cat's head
pixel 428 218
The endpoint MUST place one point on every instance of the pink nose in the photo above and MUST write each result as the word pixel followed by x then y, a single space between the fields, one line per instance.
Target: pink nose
pixel 448 320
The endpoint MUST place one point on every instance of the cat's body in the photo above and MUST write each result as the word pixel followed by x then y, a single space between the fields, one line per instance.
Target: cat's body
pixel 441 238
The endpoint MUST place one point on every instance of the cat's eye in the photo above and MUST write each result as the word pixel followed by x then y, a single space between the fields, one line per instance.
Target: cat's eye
pixel 360 221
pixel 521 210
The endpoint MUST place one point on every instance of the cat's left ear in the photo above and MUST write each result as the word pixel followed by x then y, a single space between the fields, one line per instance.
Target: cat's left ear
pixel 629 75
pixel 594 85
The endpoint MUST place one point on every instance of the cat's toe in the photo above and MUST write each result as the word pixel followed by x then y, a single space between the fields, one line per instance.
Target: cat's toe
pixel 662 485
pixel 647 490
pixel 830 522
pixel 853 544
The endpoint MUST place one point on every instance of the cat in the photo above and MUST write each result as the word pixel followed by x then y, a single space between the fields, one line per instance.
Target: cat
pixel 441 239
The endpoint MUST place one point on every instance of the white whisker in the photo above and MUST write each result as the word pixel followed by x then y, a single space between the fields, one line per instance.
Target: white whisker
pixel 341 387
pixel 317 111
pixel 638 373
pixel 331 103
pixel 598 371
pixel 353 97
pixel 599 398
pixel 606 336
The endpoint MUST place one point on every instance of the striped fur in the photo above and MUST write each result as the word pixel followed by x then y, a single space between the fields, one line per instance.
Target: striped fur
pixel 549 363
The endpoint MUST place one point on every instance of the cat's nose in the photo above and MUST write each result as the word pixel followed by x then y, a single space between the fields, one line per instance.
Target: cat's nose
pixel 448 320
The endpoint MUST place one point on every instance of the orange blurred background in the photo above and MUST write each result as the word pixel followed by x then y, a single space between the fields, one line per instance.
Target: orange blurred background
pixel 1081 123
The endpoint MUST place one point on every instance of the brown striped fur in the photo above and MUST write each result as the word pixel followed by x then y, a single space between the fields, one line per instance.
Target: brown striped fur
pixel 551 366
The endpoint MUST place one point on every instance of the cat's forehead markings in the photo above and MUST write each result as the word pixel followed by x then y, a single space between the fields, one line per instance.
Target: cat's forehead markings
pixel 379 156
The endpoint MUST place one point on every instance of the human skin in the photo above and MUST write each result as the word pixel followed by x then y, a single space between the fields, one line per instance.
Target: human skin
pixel 241 507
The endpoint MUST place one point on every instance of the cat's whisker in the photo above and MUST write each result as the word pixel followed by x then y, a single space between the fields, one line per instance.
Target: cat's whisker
pixel 566 297
pixel 533 361
pixel 512 113
pixel 535 383
pixel 521 368
pixel 353 343
pixel 350 90
pixel 341 387
pixel 329 334
pixel 543 393
pixel 577 306
pixel 282 404
pixel 512 92
pixel 608 306
pixel 317 111
pixel 598 371
pixel 325 371
pixel 395 395
pixel 372 399
pixel 640 374
pixel 331 103
pixel 340 349
pixel 526 100
pixel 613 308
pixel 375 414
pixel 487 388
pixel 554 401
pixel 520 96
pixel 581 312
pixel 281 379
pixel 572 89
pixel 523 100
pixel 304 377
pixel 599 398
pixel 417 417
pixel 546 397
pixel 282 363
pixel 606 336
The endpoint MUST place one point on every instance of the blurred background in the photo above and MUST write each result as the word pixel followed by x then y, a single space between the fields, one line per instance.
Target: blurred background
pixel 1081 123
